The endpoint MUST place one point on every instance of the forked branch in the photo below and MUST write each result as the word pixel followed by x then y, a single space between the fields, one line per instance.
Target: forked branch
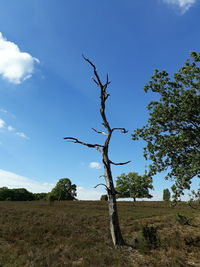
pixel 75 140
pixel 98 82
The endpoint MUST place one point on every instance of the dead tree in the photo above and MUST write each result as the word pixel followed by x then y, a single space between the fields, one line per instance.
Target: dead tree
pixel 103 149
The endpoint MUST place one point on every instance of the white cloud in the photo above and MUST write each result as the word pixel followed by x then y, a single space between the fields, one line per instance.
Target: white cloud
pixel 13 180
pixel 9 128
pixel 88 194
pixel 183 5
pixel 21 134
pixel 15 66
pixel 2 124
pixel 95 165
pixel 3 110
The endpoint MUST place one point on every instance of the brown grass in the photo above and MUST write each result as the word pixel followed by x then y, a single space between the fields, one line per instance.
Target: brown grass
pixel 77 234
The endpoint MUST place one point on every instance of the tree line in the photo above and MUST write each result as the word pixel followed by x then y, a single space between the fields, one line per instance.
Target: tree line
pixel 64 190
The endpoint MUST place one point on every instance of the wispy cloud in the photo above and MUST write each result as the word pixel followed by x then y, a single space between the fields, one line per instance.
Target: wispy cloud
pixel 15 66
pixel 10 128
pixel 21 134
pixel 3 110
pixel 95 165
pixel 88 194
pixel 13 180
pixel 4 126
pixel 183 5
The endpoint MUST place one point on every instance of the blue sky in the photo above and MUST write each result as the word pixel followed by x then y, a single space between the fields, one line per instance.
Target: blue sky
pixel 46 92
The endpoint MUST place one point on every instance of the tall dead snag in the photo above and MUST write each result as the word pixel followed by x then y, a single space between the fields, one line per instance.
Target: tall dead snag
pixel 103 149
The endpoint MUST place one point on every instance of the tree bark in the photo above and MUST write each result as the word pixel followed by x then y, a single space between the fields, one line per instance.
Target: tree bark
pixel 116 234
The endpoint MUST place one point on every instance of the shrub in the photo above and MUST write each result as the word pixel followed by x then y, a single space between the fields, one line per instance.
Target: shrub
pixel 184 220
pixel 104 198
pixel 150 236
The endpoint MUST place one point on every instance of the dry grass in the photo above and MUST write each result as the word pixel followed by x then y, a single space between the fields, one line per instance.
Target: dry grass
pixel 77 234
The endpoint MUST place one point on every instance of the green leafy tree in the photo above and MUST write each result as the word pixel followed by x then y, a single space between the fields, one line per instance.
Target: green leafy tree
pixel 104 198
pixel 40 196
pixel 173 129
pixel 134 186
pixel 64 190
pixel 5 193
pixel 15 194
pixel 166 194
pixel 21 194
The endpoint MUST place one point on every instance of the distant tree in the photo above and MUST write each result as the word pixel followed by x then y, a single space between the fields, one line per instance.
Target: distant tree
pixel 134 186
pixel 173 129
pixel 40 196
pixel 166 194
pixel 104 198
pixel 15 194
pixel 64 190
pixel 21 194
pixel 5 193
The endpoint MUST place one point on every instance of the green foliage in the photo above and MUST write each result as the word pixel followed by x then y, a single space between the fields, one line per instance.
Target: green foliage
pixel 195 196
pixel 104 198
pixel 166 194
pixel 173 129
pixel 184 220
pixel 134 186
pixel 150 236
pixel 16 194
pixel 64 190
pixel 40 196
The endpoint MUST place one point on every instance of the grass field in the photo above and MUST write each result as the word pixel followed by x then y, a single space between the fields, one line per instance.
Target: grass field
pixel 77 234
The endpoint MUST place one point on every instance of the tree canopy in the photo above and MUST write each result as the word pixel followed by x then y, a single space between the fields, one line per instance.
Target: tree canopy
pixel 134 186
pixel 172 132
pixel 15 194
pixel 64 190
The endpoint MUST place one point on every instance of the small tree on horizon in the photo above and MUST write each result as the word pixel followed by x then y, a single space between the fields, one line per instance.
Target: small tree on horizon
pixel 166 195
pixel 104 198
pixel 134 186
pixel 64 190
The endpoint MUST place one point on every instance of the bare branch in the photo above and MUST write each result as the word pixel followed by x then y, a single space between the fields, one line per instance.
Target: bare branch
pixel 95 71
pixel 103 175
pixel 123 130
pixel 103 185
pixel 100 132
pixel 93 79
pixel 107 80
pixel 120 163
pixel 75 140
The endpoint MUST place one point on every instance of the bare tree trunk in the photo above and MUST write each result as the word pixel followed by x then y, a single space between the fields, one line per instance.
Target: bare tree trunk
pixel 111 192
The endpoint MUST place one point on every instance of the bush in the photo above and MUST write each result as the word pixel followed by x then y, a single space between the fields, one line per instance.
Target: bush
pixel 150 236
pixel 184 220
pixel 104 198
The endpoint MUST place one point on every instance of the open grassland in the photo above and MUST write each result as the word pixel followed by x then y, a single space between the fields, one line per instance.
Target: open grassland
pixel 77 234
